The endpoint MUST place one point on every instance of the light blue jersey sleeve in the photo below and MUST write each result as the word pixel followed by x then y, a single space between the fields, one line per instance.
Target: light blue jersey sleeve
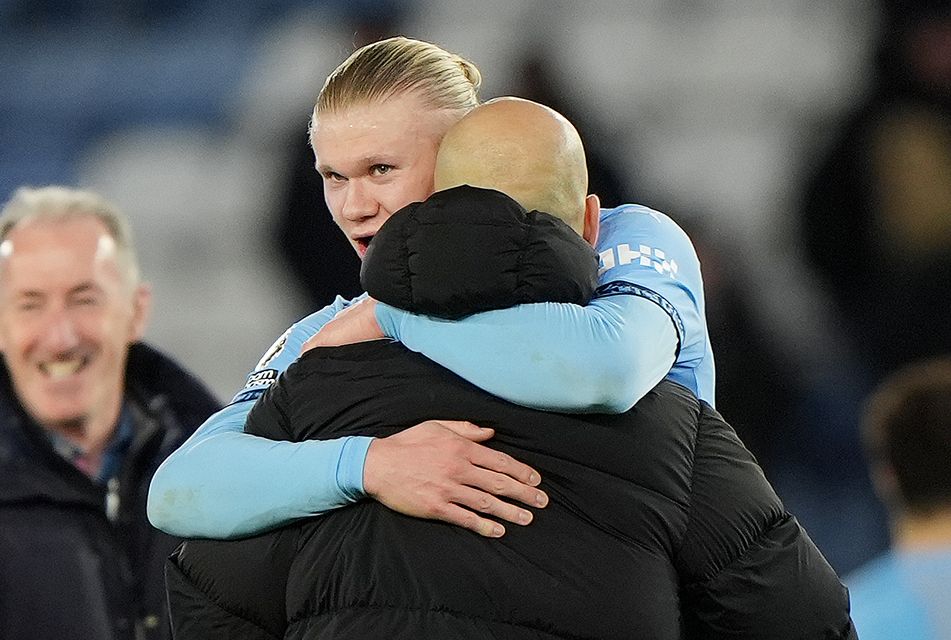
pixel 224 483
pixel 550 356
pixel 644 253
pixel 647 322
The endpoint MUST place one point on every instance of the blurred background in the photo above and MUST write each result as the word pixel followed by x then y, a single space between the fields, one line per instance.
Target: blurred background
pixel 805 145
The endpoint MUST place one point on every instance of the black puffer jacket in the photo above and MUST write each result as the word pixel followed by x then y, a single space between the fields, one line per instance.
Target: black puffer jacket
pixel 66 571
pixel 661 525
pixel 466 250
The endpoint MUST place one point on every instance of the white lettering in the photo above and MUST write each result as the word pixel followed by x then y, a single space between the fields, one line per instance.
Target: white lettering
pixel 644 256
pixel 607 260
pixel 625 255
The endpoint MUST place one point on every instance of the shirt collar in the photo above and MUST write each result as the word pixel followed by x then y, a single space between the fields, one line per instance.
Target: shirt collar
pixel 112 455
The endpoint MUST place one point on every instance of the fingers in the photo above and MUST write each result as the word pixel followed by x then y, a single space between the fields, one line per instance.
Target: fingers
pixel 467 430
pixel 491 484
pixel 465 509
pixel 456 515
pixel 356 323
pixel 495 472
pixel 482 502
pixel 505 464
pixel 467 505
pixel 439 470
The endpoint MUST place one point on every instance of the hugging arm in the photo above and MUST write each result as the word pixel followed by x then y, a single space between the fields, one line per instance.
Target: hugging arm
pixel 224 483
pixel 646 320
pixel 599 358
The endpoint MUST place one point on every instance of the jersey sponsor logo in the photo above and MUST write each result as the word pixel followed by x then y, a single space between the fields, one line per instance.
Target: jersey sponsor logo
pixel 273 352
pixel 251 394
pixel 262 378
pixel 257 381
pixel 644 256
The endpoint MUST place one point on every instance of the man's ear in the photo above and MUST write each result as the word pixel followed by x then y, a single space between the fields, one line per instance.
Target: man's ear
pixel 592 219
pixel 141 310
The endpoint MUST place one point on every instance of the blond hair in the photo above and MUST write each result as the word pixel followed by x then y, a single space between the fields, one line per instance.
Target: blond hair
pixel 56 203
pixel 395 66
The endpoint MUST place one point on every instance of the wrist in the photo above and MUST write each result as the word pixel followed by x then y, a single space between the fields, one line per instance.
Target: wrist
pixel 351 467
pixel 371 468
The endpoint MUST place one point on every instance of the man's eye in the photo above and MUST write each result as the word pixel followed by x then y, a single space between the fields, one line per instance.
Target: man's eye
pixel 331 176
pixel 381 169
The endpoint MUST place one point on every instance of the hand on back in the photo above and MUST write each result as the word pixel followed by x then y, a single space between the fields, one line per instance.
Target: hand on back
pixel 438 470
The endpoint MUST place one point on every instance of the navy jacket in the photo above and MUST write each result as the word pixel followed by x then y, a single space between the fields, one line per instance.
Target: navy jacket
pixel 66 570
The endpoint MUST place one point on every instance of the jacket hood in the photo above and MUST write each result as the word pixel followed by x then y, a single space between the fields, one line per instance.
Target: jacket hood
pixel 466 250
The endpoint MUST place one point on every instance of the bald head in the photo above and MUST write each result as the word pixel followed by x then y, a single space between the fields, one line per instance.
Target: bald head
pixel 523 149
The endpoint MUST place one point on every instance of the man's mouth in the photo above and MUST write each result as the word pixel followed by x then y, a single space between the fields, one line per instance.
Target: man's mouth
pixel 61 369
pixel 362 244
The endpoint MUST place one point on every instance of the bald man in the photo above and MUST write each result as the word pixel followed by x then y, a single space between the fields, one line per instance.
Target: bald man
pixel 660 525
pixel 527 151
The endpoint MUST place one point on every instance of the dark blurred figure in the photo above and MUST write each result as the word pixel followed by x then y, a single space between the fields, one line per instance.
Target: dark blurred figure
pixel 537 80
pixel 876 224
pixel 877 210
pixel 320 258
pixel 757 386
pixel 904 593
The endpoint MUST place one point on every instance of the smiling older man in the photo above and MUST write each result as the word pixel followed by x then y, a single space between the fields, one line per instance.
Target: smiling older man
pixel 86 415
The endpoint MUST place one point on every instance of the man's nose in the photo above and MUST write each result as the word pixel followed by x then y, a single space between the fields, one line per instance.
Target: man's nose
pixel 359 203
pixel 60 333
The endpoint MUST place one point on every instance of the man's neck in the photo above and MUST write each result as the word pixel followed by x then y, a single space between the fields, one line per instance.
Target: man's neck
pixel 90 434
pixel 915 532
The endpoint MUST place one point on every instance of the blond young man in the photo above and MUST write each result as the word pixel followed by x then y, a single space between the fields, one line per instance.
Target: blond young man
pixel 376 130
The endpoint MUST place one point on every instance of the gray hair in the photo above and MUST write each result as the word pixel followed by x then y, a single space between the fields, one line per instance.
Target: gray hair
pixel 58 203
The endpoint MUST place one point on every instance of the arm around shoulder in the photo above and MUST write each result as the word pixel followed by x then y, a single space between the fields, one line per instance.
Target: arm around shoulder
pixel 601 358
pixel 223 483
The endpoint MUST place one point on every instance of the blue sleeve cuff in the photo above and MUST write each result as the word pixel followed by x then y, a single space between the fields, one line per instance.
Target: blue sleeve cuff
pixel 390 319
pixel 353 456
